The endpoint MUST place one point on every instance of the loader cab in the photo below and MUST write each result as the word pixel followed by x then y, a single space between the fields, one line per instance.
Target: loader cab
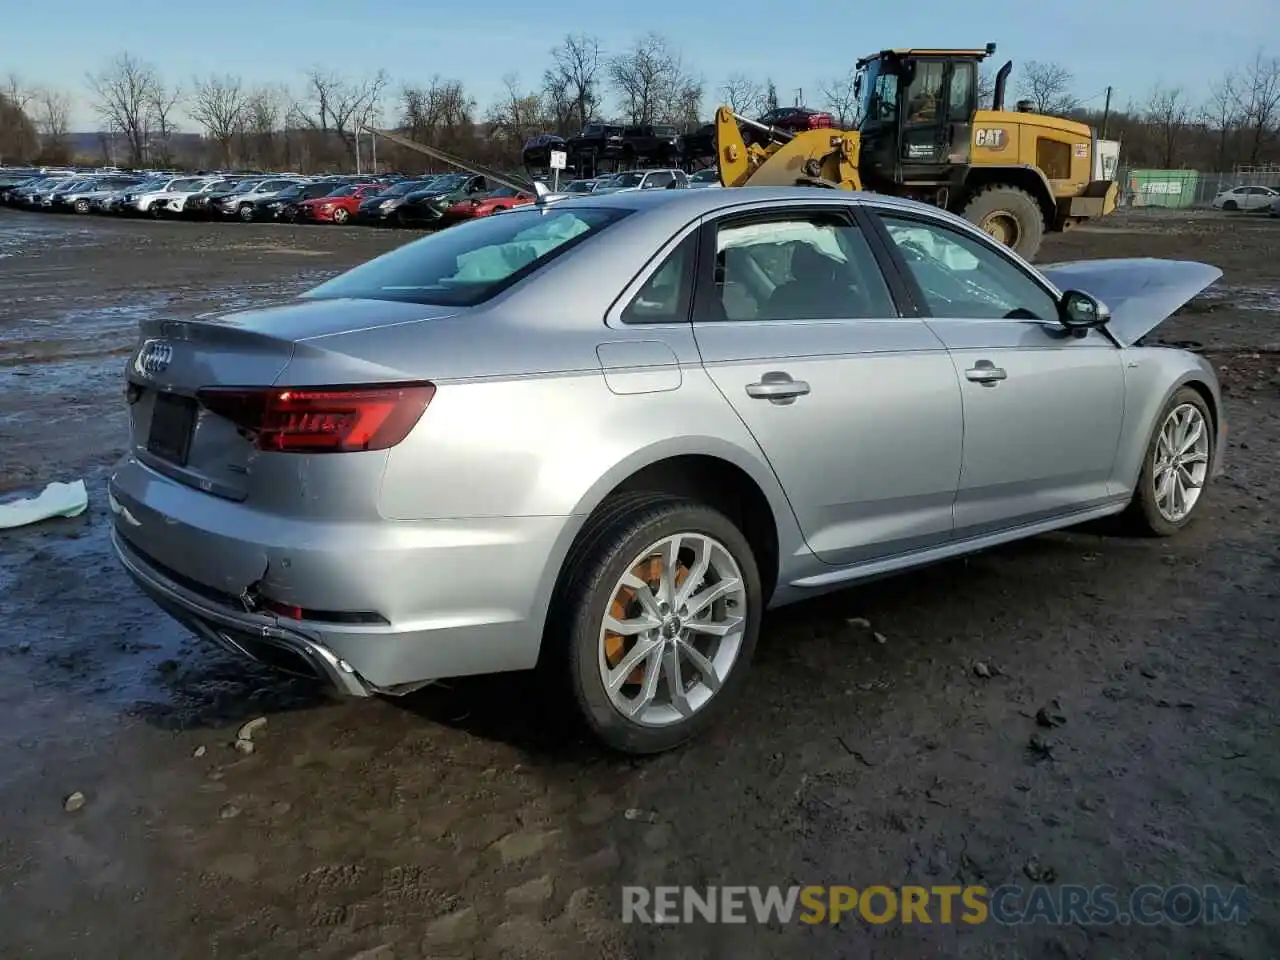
pixel 917 114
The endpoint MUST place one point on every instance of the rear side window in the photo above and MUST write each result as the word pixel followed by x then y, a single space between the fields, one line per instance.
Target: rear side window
pixel 665 296
pixel 470 263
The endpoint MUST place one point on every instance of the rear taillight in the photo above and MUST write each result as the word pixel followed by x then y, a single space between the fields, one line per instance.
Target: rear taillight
pixel 333 419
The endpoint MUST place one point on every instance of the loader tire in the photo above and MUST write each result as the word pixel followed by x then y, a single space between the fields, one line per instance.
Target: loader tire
pixel 1010 215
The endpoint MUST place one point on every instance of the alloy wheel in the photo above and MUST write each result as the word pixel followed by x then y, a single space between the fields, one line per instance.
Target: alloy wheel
pixel 1181 462
pixel 672 630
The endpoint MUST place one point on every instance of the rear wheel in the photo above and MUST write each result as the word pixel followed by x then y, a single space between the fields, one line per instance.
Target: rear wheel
pixel 1010 215
pixel 657 621
pixel 1175 469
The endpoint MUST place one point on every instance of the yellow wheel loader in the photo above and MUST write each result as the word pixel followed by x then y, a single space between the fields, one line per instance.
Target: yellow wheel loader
pixel 1014 173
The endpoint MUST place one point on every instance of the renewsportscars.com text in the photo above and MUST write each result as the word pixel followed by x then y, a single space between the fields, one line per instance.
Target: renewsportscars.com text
pixel 1146 905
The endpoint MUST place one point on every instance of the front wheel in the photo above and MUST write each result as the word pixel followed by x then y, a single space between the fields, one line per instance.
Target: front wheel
pixel 246 212
pixel 1010 215
pixel 1231 205
pixel 1176 467
pixel 660 616
pixel 340 216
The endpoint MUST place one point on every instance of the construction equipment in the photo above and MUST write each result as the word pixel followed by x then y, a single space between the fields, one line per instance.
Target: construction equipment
pixel 1014 173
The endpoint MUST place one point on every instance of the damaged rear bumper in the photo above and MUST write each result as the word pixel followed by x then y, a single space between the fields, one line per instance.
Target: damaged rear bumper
pixel 258 637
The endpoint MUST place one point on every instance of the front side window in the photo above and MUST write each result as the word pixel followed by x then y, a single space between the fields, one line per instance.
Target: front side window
pixel 467 264
pixel 805 267
pixel 924 93
pixel 962 278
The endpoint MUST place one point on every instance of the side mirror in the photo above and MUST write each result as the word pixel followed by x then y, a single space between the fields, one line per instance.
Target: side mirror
pixel 1080 312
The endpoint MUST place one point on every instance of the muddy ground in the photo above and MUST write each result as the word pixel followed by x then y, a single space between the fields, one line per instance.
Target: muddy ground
pixel 453 824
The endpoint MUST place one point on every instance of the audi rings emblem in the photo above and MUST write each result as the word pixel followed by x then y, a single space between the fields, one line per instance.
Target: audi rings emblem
pixel 154 358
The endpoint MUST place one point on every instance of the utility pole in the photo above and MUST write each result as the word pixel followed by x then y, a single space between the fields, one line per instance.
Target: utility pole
pixel 799 96
pixel 1106 113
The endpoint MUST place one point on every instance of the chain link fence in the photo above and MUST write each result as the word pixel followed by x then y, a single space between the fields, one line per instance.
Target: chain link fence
pixel 1185 189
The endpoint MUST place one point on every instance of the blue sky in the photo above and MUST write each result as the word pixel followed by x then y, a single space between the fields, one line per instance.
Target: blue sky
pixel 1130 44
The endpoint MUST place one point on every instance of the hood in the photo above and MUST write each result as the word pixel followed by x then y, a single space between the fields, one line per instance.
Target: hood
pixel 1141 293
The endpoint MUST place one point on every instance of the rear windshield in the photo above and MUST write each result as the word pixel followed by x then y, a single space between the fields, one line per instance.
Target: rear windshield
pixel 470 263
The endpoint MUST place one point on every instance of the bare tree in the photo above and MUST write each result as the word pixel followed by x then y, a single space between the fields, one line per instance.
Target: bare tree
pixel 163 101
pixel 575 72
pixel 770 96
pixel 742 93
pixel 516 114
pixel 652 82
pixel 1168 115
pixel 1258 99
pixel 52 109
pixel 439 114
pixel 1048 87
pixel 123 94
pixel 840 95
pixel 18 139
pixel 342 106
pixel 259 126
pixel 1221 113
pixel 218 104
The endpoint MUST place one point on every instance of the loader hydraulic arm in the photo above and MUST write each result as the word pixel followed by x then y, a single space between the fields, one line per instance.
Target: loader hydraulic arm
pixel 822 157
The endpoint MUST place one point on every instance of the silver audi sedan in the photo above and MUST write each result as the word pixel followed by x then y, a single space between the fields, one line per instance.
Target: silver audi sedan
pixel 601 435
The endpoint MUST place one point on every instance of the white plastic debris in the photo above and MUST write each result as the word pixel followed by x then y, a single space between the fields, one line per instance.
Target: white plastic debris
pixel 56 500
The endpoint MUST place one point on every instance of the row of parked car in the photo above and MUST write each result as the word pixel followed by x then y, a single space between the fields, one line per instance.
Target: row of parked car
pixel 426 201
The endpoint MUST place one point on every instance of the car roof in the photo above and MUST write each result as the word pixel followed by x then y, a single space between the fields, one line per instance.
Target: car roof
pixel 696 203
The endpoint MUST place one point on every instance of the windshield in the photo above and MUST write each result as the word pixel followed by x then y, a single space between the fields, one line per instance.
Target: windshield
pixel 406 186
pixel 578 186
pixel 244 186
pixel 450 182
pixel 706 176
pixel 347 191
pixel 626 180
pixel 879 94
pixel 469 263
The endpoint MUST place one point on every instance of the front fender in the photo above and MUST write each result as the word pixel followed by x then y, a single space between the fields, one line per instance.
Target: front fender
pixel 1152 376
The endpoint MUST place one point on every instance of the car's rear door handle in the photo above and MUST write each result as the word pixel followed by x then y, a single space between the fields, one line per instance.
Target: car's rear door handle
pixel 985 372
pixel 777 386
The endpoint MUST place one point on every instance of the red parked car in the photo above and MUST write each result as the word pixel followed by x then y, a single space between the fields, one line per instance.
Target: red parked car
pixel 503 198
pixel 338 206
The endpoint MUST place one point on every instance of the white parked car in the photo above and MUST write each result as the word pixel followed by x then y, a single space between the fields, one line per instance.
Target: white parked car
pixel 156 201
pixel 1246 198
pixel 644 180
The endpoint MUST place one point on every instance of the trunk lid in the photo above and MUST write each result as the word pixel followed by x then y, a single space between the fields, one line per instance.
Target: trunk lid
pixel 177 436
pixel 1141 293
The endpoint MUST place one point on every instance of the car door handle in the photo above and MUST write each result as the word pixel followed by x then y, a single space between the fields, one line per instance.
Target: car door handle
pixel 778 387
pixel 986 373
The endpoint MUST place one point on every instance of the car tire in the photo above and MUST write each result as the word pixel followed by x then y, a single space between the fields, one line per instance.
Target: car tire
pixel 81 206
pixel 1013 212
pixel 579 650
pixel 155 210
pixel 1231 205
pixel 340 216
pixel 1150 513
pixel 245 212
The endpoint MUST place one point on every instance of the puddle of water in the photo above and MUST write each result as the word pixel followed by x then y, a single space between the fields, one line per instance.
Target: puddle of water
pixel 21 236
pixel 1263 298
